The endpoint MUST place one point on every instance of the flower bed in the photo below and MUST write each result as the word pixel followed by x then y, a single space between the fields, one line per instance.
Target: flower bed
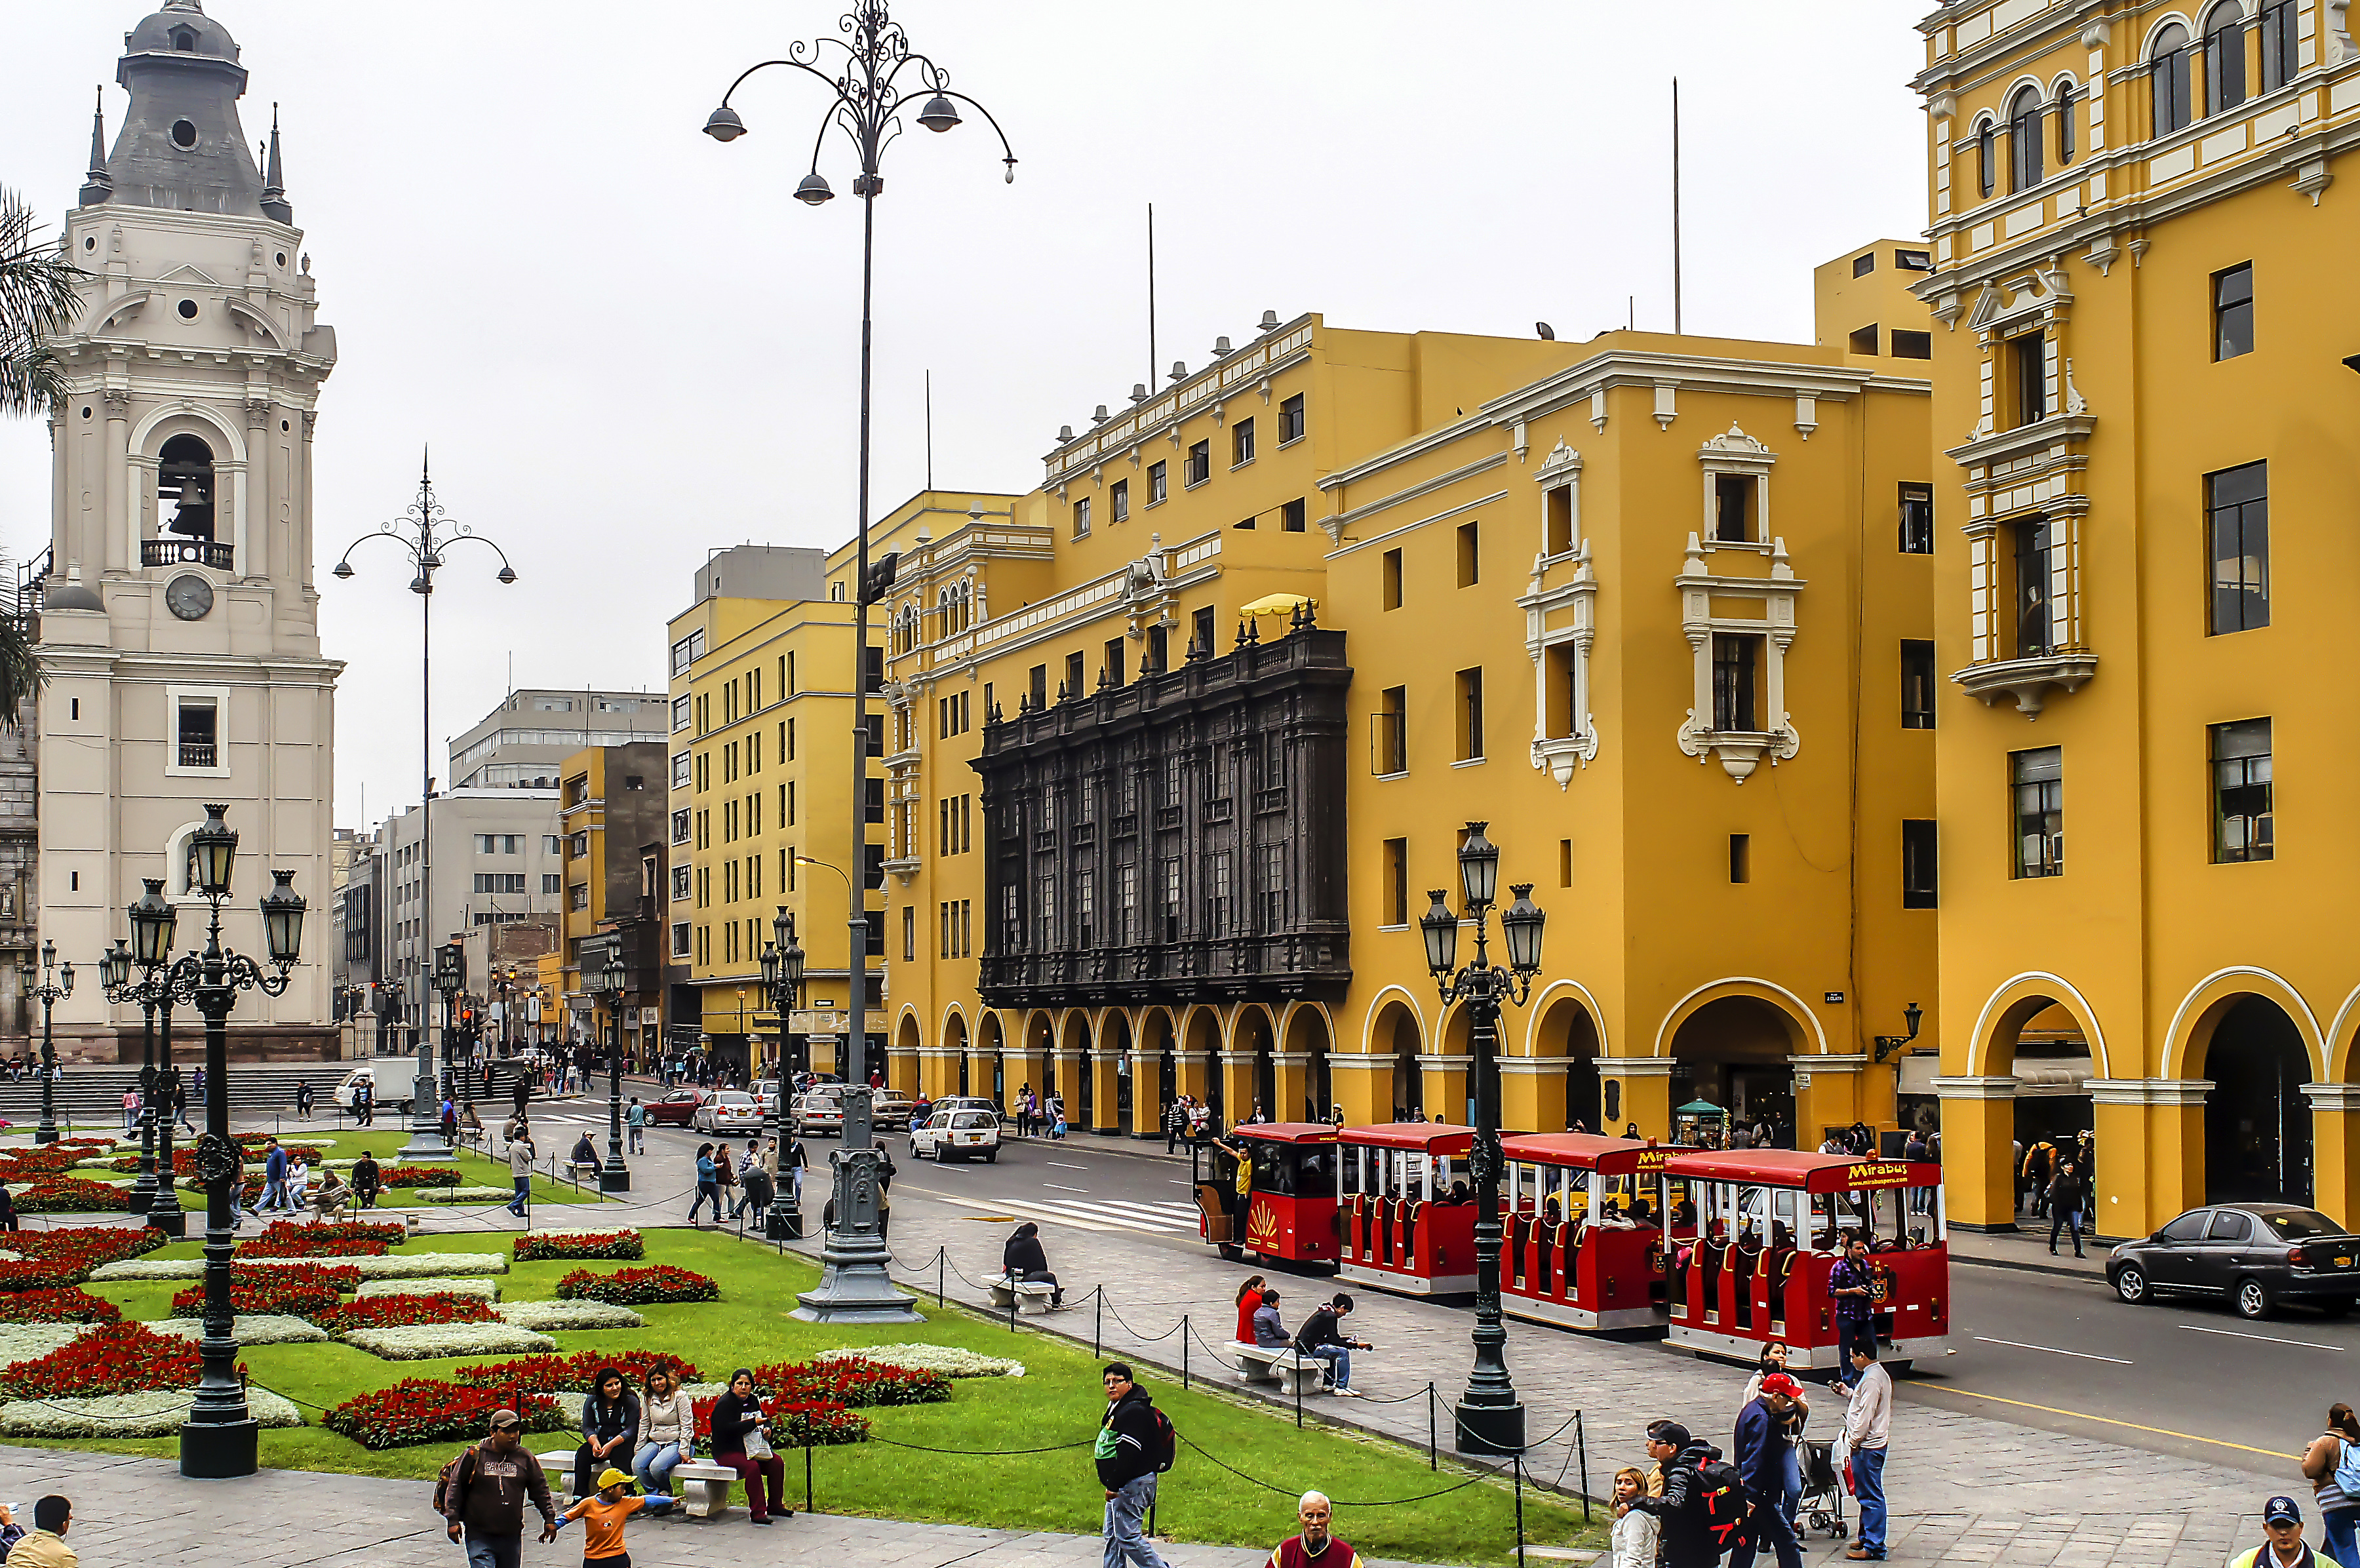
pixel 946 1359
pixel 344 1238
pixel 482 1287
pixel 548 1317
pixel 158 1413
pixel 429 1410
pixel 852 1382
pixel 277 1292
pixel 423 1342
pixel 68 1305
pixel 418 1176
pixel 658 1283
pixel 545 1245
pixel 26 1164
pixel 70 1195
pixel 808 1424
pixel 49 1260
pixel 261 1328
pixel 401 1311
pixel 552 1374
pixel 117 1358
pixel 393 1265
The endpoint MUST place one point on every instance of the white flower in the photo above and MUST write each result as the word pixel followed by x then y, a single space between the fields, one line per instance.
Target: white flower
pixel 261 1328
pixel 420 1342
pixel 584 1230
pixel 549 1316
pixel 946 1359
pixel 453 1194
pixel 481 1286
pixel 157 1414
pixel 392 1266
pixel 31 1341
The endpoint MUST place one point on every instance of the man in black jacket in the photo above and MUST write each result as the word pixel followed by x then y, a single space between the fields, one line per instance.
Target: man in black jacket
pixel 1319 1338
pixel 1025 1259
pixel 1687 1542
pixel 1129 1446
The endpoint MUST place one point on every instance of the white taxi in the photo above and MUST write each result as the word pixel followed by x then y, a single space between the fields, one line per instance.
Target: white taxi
pixel 956 1134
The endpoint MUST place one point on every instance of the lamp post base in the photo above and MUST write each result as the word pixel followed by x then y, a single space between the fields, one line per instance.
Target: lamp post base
pixel 173 1223
pixel 785 1224
pixel 615 1178
pixel 856 1292
pixel 1489 1429
pixel 46 1133
pixel 215 1451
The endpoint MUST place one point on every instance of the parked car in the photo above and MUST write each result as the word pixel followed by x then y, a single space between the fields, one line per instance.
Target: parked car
pixel 676 1109
pixel 950 1135
pixel 976 1103
pixel 822 1110
pixel 765 1092
pixel 727 1110
pixel 889 1108
pixel 2254 1255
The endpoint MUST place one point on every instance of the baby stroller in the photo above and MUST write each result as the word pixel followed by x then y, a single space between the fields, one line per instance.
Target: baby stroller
pixel 1821 1506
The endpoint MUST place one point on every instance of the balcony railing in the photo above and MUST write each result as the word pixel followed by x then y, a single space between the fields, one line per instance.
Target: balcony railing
pixel 187 553
pixel 200 754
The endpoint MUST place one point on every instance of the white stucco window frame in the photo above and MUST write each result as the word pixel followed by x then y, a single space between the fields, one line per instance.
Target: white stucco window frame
pixel 1560 605
pixel 1739 751
pixel 1735 452
pixel 175 698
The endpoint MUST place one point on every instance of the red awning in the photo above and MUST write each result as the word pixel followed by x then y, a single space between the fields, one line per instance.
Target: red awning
pixel 1812 1172
pixel 1430 1138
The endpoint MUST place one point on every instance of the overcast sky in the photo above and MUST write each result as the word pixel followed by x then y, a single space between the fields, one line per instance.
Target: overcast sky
pixel 627 346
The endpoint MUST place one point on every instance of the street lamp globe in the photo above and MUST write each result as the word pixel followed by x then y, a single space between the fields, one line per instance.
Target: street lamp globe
pixel 783 928
pixel 282 918
pixel 1478 867
pixel 212 850
pixel 342 569
pixel 1440 928
pixel 152 919
pixel 115 969
pixel 939 115
pixel 65 978
pixel 814 189
pixel 505 574
pixel 1520 928
pixel 790 964
pixel 771 967
pixel 724 126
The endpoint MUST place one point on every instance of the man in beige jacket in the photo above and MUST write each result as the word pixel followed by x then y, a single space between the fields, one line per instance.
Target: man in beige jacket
pixel 45 1546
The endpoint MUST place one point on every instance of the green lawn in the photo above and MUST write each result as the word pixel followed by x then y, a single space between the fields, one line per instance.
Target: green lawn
pixel 1059 1402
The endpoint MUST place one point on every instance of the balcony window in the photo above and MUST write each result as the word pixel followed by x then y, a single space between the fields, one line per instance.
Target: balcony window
pixel 2034 626
pixel 1916 519
pixel 198 733
pixel 2237 508
pixel 2038 779
pixel 1736 677
pixel 2242 828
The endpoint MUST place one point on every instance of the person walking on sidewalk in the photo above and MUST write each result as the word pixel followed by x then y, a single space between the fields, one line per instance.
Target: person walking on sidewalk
pixel 1761 1448
pixel 1868 1421
pixel 2334 1458
pixel 1128 1449
pixel 1317 1546
pixel 487 1493
pixel 1176 1122
pixel 130 1114
pixel 635 1122
pixel 274 1177
pixel 303 1098
pixel 2065 1198
pixel 2282 1547
pixel 521 1155
pixel 708 1184
pixel 1687 1534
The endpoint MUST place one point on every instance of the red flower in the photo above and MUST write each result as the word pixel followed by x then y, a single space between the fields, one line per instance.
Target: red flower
pixel 401 1312
pixel 657 1282
pixel 55 1258
pixel 66 1305
pixel 67 1194
pixel 809 1423
pixel 418 1176
pixel 118 1358
pixel 428 1409
pixel 853 1382
pixel 624 1243
pixel 561 1374
pixel 345 1238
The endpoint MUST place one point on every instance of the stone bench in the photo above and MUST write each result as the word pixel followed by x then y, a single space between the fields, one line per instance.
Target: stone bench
pixel 1026 1295
pixel 704 1487
pixel 1278 1365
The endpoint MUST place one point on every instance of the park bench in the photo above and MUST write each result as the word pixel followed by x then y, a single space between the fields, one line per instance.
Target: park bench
pixel 1277 1365
pixel 704 1487
pixel 1027 1295
pixel 557 1467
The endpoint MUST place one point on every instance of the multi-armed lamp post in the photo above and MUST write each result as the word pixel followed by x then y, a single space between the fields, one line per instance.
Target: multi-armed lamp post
pixel 868 94
pixel 782 984
pixel 56 986
pixel 1490 1417
pixel 614 983
pixel 220 1438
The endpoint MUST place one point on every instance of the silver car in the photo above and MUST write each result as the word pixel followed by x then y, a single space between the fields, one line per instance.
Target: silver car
pixel 731 1110
pixel 820 1111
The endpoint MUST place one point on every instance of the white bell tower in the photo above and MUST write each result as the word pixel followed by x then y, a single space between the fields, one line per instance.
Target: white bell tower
pixel 179 628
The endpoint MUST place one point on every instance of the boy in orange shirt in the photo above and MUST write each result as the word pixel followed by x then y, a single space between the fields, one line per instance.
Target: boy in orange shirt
pixel 602 1516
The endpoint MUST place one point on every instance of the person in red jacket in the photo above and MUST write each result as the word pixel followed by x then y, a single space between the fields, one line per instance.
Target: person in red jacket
pixel 1317 1546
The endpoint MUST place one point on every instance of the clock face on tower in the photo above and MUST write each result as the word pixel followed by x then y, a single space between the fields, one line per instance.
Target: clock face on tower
pixel 189 597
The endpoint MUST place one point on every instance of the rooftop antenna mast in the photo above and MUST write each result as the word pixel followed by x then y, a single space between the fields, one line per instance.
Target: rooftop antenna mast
pixel 929 429
pixel 1676 205
pixel 1152 360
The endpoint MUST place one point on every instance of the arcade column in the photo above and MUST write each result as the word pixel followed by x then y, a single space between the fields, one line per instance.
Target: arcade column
pixel 1447 1087
pixel 2150 1152
pixel 1828 1093
pixel 1979 1151
pixel 1532 1092
pixel 1363 1087
pixel 2335 1158
pixel 1636 1089
pixel 1291 1070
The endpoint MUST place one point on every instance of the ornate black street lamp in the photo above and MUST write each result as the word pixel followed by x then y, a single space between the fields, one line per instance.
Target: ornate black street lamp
pixel 782 983
pixel 55 987
pixel 220 1438
pixel 868 94
pixel 1490 1417
pixel 613 984
pixel 424 531
pixel 114 979
pixel 152 923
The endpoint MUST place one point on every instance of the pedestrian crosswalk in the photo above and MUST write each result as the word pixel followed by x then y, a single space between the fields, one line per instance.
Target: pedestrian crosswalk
pixel 1104 1215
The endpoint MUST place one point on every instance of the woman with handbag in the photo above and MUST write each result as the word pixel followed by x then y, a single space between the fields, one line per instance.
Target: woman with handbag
pixel 610 1419
pixel 741 1441
pixel 667 1430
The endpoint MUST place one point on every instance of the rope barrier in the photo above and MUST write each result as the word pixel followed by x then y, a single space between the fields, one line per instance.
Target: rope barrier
pixel 1338 1502
pixel 980 1453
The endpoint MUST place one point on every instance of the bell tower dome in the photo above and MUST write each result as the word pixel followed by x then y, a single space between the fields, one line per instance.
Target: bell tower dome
pixel 182 144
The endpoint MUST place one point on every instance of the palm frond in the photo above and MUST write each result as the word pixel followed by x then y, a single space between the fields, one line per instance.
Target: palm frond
pixel 37 298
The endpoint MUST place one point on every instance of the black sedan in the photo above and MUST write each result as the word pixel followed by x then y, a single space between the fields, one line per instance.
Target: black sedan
pixel 2256 1255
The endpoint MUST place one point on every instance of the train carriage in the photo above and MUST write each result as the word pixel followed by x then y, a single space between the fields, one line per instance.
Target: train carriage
pixel 1277 1202
pixel 1584 1247
pixel 1767 1227
pixel 1406 1209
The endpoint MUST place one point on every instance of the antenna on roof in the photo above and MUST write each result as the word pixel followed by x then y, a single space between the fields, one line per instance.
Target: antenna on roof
pixel 1150 293
pixel 929 429
pixel 1676 204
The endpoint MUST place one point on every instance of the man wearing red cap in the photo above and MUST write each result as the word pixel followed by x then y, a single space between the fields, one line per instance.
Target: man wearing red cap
pixel 1761 1458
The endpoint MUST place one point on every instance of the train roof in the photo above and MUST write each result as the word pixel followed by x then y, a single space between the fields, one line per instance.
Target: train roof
pixel 1811 1172
pixel 1587 1152
pixel 1432 1138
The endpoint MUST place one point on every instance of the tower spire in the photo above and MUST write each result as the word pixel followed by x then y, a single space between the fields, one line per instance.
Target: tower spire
pixel 97 185
pixel 275 205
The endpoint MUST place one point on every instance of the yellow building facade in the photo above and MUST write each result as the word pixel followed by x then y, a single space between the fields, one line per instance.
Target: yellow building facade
pixel 1658 608
pixel 611 816
pixel 2139 335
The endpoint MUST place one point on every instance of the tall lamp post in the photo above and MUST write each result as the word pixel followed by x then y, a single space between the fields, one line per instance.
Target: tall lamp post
pixel 866 95
pixel 424 531
pixel 55 987
pixel 153 992
pixel 782 982
pixel 114 978
pixel 1491 1419
pixel 612 982
pixel 220 1437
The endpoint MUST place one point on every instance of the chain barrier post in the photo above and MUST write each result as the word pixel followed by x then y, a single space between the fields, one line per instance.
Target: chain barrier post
pixel 1296 1379
pixel 1184 1353
pixel 1581 1447
pixel 1097 1321
pixel 1520 1510
pixel 807 1474
pixel 1011 1310
pixel 941 1255
pixel 1433 1427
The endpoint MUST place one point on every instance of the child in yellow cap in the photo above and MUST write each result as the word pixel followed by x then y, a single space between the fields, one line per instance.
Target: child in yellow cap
pixel 602 1514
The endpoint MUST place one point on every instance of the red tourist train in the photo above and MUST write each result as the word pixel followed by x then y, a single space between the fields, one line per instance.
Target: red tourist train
pixel 1598 1233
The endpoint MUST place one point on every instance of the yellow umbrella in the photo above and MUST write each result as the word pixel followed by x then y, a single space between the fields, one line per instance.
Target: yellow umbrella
pixel 1276 604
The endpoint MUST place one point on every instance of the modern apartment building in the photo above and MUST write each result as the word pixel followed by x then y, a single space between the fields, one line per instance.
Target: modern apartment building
pixel 524 742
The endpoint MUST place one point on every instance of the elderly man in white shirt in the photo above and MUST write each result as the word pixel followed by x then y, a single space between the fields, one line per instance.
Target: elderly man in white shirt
pixel 1867 1421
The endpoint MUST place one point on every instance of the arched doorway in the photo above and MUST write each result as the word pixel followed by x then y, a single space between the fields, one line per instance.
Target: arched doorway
pixel 1567 1031
pixel 955 1038
pixel 2051 1062
pixel 1397 1034
pixel 1253 1038
pixel 989 1039
pixel 2257 1123
pixel 1205 1054
pixel 1307 1054
pixel 1082 1095
pixel 1114 1052
pixel 1732 1052
pixel 902 1064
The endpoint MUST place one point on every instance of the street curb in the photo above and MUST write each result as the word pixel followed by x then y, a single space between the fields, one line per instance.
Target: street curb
pixel 2029 1267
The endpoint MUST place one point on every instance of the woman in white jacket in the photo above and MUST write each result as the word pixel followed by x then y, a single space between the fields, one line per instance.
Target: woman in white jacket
pixel 1635 1533
pixel 667 1432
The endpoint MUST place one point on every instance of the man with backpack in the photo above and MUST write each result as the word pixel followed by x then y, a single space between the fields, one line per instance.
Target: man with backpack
pixel 1702 1505
pixel 1135 1443
pixel 483 1492
pixel 1763 1444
